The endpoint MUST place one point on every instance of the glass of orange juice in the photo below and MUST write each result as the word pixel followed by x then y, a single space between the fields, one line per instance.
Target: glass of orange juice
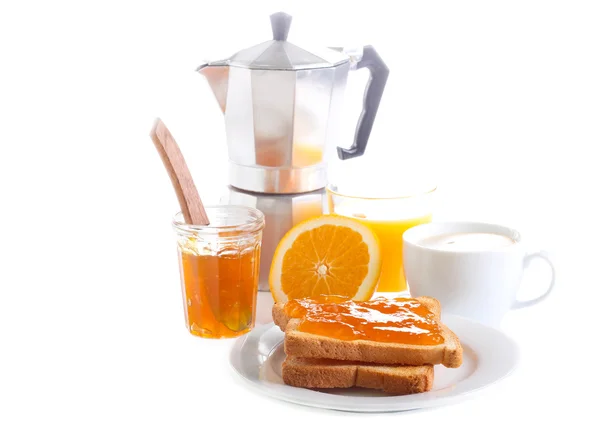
pixel 219 265
pixel 388 217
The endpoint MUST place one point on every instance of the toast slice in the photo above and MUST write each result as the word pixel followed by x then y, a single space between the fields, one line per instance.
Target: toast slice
pixel 323 373
pixel 306 345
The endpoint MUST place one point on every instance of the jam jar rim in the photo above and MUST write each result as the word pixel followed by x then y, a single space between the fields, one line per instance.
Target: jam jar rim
pixel 251 221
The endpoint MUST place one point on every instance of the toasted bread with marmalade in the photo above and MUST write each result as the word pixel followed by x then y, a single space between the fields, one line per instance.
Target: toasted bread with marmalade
pixel 300 344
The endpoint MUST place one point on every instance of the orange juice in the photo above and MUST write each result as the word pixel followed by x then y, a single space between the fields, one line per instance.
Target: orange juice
pixel 390 233
pixel 388 217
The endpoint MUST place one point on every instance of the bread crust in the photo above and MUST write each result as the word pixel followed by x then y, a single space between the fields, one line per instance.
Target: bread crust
pixel 305 345
pixel 323 374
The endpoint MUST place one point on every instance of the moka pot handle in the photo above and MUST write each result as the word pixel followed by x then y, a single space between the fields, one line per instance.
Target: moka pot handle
pixel 373 93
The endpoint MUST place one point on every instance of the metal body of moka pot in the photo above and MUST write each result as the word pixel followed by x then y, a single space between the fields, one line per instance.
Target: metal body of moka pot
pixel 282 106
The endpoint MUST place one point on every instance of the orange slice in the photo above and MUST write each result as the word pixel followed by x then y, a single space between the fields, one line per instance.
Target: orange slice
pixel 327 255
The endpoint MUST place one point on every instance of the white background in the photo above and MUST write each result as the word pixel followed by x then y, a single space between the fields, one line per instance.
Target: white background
pixel 499 102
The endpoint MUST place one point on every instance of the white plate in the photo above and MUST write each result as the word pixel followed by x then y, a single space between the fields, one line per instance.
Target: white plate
pixel 488 356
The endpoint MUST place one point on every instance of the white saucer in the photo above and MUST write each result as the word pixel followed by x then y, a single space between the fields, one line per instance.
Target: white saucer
pixel 488 356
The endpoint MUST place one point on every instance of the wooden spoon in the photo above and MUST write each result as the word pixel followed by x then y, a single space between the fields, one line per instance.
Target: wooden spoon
pixel 187 194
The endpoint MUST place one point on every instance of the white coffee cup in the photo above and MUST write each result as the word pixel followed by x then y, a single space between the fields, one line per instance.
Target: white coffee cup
pixel 471 276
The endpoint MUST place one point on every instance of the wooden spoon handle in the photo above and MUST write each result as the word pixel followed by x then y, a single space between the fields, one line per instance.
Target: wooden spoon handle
pixel 187 194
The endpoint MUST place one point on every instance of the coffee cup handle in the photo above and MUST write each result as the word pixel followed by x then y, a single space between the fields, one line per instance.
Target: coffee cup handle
pixel 543 255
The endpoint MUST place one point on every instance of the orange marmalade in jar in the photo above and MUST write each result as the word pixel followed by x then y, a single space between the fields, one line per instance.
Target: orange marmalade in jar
pixel 219 265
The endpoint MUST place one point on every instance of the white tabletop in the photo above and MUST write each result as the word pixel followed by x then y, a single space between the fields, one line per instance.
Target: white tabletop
pixel 498 101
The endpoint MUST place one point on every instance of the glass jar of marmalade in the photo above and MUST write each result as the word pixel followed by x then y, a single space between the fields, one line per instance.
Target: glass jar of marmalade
pixel 219 265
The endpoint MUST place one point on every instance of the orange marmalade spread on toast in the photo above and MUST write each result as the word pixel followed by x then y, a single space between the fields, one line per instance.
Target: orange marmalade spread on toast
pixel 381 320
